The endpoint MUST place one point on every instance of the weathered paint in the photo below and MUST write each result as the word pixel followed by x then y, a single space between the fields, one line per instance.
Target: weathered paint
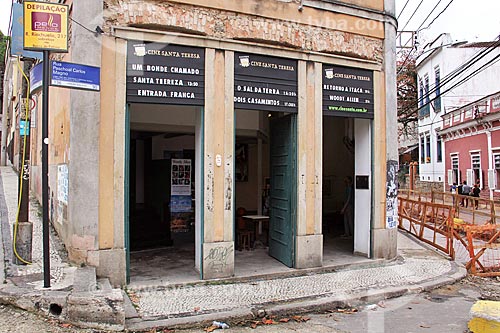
pixel 379 157
pixel 287 11
pixel 106 145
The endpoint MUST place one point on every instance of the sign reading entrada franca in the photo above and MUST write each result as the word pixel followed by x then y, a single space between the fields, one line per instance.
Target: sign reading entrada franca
pixel 265 83
pixel 347 92
pixel 165 74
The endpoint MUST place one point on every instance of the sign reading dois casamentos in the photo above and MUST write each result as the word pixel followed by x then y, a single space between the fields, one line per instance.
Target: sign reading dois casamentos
pixel 165 74
pixel 347 92
pixel 265 83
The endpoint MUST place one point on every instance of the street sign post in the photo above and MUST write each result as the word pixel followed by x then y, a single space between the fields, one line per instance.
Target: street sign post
pixel 45 29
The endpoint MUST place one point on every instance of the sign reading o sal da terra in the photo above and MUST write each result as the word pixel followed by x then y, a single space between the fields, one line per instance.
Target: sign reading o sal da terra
pixel 265 83
pixel 165 74
pixel 347 92
pixel 45 26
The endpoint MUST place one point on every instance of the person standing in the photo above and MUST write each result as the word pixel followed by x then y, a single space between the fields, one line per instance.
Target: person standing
pixel 475 193
pixel 465 191
pixel 348 208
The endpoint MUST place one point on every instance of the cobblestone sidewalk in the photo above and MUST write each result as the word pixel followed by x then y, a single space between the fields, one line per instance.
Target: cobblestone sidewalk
pixel 59 270
pixel 189 300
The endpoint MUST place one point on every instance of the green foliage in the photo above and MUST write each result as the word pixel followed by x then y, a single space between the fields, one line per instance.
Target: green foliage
pixel 3 47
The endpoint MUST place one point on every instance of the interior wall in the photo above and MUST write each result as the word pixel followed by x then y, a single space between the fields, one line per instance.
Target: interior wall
pixel 179 143
pixel 337 163
pixel 362 197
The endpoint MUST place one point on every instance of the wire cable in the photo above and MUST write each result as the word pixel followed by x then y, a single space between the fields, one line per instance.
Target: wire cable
pixel 26 129
pixel 445 8
pixel 402 10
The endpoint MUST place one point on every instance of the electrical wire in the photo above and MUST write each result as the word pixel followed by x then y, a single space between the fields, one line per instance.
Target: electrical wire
pixel 26 129
pixel 412 15
pixel 402 10
pixel 445 8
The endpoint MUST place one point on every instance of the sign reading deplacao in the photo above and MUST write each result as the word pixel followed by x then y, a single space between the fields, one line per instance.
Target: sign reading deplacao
pixel 45 26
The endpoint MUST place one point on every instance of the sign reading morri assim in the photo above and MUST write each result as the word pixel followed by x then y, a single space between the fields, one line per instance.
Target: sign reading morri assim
pixel 165 74
pixel 347 92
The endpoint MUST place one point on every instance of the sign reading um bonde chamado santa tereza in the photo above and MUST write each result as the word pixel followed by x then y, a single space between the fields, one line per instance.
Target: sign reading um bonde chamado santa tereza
pixel 45 26
pixel 347 92
pixel 265 83
pixel 165 74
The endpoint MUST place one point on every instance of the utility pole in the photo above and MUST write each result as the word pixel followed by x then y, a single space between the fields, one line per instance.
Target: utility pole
pixel 23 229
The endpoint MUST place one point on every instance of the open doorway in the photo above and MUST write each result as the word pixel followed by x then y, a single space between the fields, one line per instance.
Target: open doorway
pixel 338 190
pixel 264 192
pixel 163 169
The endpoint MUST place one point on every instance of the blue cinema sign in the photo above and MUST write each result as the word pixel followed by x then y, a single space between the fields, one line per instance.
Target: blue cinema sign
pixel 70 75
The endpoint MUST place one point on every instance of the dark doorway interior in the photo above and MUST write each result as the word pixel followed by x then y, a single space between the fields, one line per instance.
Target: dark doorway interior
pixel 338 166
pixel 150 192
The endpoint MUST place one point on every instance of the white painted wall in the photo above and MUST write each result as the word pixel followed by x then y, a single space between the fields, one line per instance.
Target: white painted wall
pixel 362 198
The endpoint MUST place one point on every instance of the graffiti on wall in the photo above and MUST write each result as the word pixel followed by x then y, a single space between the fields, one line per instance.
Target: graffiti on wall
pixel 392 194
pixel 219 257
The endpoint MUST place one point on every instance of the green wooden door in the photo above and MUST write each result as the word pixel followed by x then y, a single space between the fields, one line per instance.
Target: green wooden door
pixel 283 190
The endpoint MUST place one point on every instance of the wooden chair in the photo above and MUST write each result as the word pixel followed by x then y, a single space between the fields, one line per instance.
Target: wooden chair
pixel 245 237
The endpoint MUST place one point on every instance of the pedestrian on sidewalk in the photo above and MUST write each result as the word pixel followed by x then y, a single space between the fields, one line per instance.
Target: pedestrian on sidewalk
pixel 475 193
pixel 453 190
pixel 465 191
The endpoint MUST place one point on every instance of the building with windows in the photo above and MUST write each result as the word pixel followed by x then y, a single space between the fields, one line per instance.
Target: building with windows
pixel 450 75
pixel 281 108
pixel 472 141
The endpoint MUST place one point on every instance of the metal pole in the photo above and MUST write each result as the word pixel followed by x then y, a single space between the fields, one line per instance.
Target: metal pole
pixel 45 170
pixel 24 174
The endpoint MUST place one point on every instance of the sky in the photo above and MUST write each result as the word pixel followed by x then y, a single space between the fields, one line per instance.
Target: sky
pixel 473 21
pixel 5 15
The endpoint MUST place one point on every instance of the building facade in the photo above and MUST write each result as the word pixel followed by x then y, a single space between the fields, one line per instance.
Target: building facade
pixel 206 107
pixel 472 142
pixel 450 76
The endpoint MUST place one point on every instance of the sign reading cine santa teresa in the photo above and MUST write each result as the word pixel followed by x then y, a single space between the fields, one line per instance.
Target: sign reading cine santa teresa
pixel 347 92
pixel 45 26
pixel 265 83
pixel 165 74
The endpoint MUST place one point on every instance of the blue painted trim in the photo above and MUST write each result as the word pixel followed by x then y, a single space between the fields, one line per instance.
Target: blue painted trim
pixel 372 210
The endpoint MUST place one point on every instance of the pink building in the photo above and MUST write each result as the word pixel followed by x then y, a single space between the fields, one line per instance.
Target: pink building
pixel 471 135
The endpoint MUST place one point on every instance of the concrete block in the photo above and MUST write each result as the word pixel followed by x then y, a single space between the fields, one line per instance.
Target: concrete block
pixel 112 265
pixel 385 243
pixel 101 310
pixel 218 260
pixel 309 251
pixel 485 317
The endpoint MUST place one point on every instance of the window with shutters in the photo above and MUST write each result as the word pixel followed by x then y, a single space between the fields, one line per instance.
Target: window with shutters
pixel 476 169
pixel 496 161
pixel 455 169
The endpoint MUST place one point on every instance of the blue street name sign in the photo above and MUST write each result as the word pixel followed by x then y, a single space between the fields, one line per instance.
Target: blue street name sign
pixel 70 75
pixel 36 77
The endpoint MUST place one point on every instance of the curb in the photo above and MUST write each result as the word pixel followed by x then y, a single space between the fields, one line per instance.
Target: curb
pixel 317 304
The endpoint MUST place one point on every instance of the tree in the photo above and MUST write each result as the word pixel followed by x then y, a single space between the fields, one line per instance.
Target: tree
pixel 3 48
pixel 407 94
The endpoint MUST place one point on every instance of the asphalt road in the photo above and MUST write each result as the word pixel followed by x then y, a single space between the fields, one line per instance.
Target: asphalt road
pixel 443 310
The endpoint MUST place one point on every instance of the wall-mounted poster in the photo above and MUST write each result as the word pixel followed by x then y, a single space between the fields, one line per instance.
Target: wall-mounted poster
pixel 241 167
pixel 180 195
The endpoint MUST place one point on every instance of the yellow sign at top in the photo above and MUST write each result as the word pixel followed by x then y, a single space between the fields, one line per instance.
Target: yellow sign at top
pixel 45 26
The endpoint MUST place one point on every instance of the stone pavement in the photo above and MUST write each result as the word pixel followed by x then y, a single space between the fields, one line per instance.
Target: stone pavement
pixel 417 269
pixel 84 300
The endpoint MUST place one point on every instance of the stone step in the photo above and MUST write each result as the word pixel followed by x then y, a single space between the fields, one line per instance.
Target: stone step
pixel 104 284
pixel 85 279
